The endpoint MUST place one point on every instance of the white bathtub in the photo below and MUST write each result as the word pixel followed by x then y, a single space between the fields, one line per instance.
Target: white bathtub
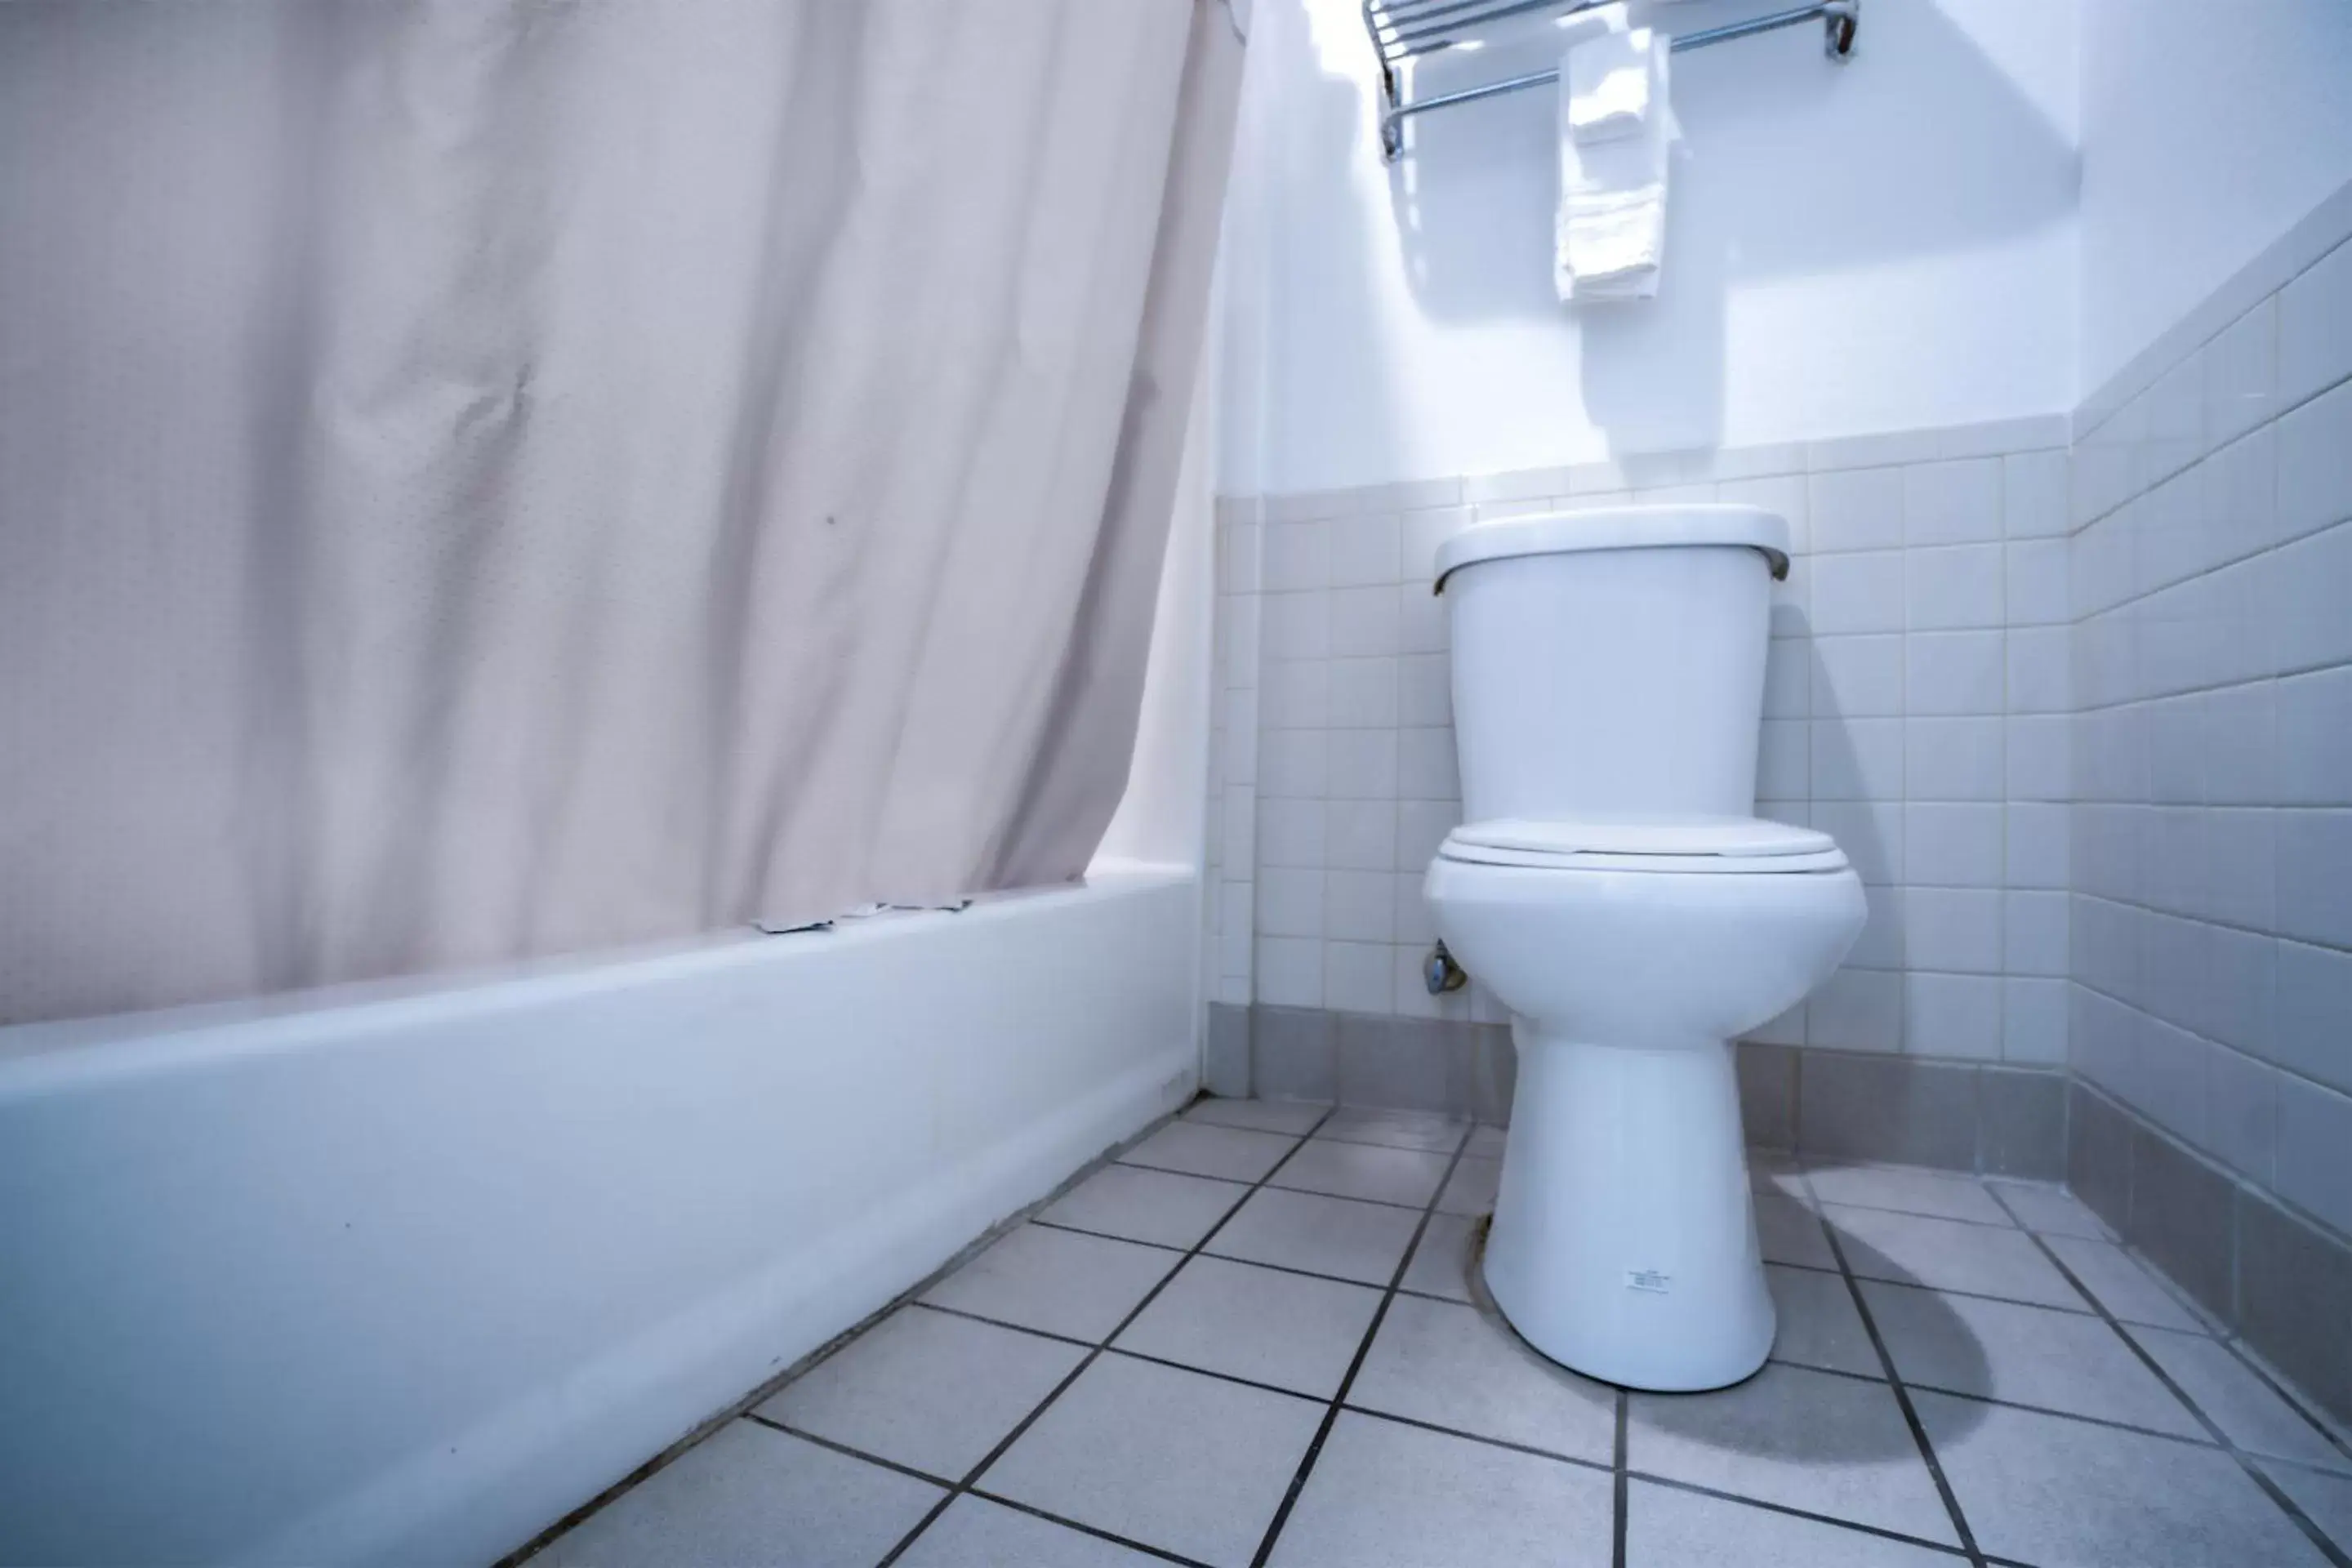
pixel 404 1274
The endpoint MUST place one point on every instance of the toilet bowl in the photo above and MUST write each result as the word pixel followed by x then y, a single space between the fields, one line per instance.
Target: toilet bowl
pixel 1611 887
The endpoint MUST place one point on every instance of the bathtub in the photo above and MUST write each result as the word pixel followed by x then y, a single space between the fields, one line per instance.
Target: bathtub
pixel 404 1274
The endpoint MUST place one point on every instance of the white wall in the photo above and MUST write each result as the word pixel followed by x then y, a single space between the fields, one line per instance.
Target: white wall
pixel 1884 245
pixel 405 1274
pixel 2207 130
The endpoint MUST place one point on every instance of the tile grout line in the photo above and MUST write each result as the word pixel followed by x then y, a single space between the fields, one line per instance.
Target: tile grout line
pixel 2246 1462
pixel 1617 1483
pixel 801 1366
pixel 1096 1351
pixel 1254 1262
pixel 2234 1344
pixel 1676 1483
pixel 1902 1395
pixel 1347 1379
pixel 1846 1374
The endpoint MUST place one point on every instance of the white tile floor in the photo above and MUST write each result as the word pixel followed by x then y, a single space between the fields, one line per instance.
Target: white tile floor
pixel 1252 1339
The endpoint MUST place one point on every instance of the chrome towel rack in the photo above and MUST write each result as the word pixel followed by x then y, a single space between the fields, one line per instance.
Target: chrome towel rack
pixel 1403 30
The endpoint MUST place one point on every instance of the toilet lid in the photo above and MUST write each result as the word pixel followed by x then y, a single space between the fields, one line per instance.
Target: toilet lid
pixel 1702 844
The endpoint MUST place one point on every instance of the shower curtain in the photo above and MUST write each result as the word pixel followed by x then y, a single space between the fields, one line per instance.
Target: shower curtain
pixel 482 478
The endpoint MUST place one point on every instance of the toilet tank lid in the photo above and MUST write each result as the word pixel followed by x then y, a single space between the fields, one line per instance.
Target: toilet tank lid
pixel 1618 528
pixel 1733 838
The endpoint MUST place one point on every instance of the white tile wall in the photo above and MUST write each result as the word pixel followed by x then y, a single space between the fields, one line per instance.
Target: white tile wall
pixel 2210 656
pixel 2082 719
pixel 1915 707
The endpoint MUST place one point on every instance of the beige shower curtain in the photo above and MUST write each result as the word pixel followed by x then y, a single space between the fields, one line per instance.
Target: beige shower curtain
pixel 493 477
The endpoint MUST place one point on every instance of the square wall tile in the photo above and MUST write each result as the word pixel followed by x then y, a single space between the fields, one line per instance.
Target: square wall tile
pixel 2033 933
pixel 1289 971
pixel 1363 621
pixel 1857 509
pixel 2315 327
pixel 1298 556
pixel 1364 549
pixel 2315 1150
pixel 1857 759
pixel 1356 977
pixel 2033 1020
pixel 1421 532
pixel 1858 677
pixel 1424 689
pixel 1955 673
pixel 1952 502
pixel 1954 844
pixel 1360 905
pixel 1359 834
pixel 1861 593
pixel 2033 495
pixel 1426 767
pixel 1363 693
pixel 1289 902
pixel 2037 753
pixel 1953 759
pixel 1855 1010
pixel 1952 1016
pixel 1400 1063
pixel 2034 590
pixel 2295 1295
pixel 2241 374
pixel 1897 1109
pixel 2022 1120
pixel 1293 1054
pixel 1954 588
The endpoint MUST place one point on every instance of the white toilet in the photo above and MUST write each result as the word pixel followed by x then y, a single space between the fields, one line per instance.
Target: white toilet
pixel 1612 887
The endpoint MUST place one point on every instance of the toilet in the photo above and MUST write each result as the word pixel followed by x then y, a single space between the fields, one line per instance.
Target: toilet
pixel 1612 886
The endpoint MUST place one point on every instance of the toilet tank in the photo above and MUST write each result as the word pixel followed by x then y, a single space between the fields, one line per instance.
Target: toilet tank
pixel 1611 662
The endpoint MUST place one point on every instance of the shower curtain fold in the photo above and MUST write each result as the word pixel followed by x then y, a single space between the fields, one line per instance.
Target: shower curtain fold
pixel 482 480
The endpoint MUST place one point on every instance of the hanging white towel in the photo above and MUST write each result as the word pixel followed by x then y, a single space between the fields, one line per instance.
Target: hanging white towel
pixel 1612 226
pixel 1608 79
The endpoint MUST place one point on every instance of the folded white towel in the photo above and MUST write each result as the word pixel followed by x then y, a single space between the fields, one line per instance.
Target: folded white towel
pixel 1612 226
pixel 1607 79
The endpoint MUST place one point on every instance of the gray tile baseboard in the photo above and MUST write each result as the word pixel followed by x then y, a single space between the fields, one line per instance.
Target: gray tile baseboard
pixel 2278 1281
pixel 1966 1116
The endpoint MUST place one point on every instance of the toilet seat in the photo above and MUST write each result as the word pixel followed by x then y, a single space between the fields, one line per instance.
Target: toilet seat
pixel 1701 845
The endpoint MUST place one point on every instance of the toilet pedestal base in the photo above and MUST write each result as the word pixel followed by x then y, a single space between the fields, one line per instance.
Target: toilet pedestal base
pixel 1623 1244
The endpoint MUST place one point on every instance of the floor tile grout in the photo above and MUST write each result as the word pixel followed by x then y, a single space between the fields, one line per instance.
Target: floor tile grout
pixel 1363 1348
pixel 1254 1262
pixel 1620 1469
pixel 2287 1395
pixel 2246 1462
pixel 1298 1142
pixel 1390 1417
pixel 1618 1521
pixel 1901 1397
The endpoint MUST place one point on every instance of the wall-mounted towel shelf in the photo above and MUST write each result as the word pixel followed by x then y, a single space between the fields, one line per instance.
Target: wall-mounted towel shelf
pixel 1403 30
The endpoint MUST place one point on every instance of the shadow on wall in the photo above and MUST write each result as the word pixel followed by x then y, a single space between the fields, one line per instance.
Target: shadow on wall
pixel 1789 165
